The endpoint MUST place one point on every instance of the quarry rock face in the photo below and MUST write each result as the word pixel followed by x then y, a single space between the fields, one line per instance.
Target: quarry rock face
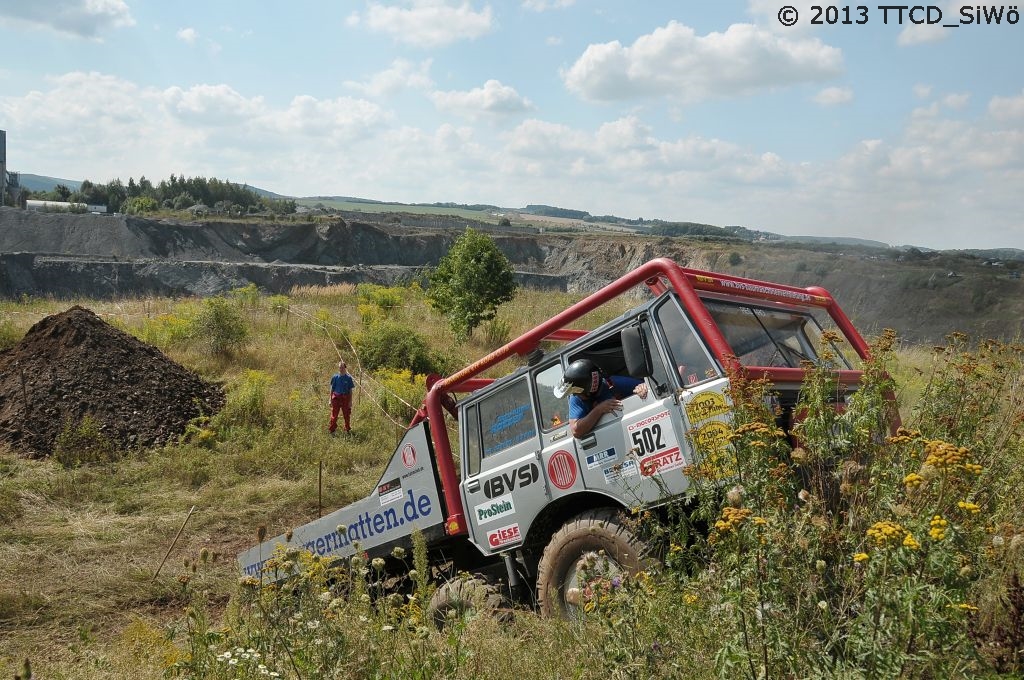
pixel 74 364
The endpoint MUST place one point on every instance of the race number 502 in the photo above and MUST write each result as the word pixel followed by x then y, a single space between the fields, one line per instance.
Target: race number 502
pixel 648 440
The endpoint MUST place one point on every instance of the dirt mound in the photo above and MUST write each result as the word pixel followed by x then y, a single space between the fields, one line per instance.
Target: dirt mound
pixel 74 364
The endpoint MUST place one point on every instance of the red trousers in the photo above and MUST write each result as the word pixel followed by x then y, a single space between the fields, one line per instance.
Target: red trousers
pixel 343 403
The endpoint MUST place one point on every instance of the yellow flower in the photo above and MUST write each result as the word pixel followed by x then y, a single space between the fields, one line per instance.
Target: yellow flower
pixel 910 542
pixel 913 480
pixel 689 598
pixel 969 507
pixel 885 533
pixel 860 557
pixel 938 528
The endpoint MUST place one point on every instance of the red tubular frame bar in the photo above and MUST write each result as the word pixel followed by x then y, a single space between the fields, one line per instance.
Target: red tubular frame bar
pixel 686 283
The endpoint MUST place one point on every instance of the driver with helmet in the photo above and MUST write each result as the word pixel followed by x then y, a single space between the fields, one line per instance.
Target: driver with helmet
pixel 592 394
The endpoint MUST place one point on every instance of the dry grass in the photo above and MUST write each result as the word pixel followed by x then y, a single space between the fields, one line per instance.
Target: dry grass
pixel 79 549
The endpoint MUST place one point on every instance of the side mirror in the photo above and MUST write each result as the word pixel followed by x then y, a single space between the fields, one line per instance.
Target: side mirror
pixel 637 354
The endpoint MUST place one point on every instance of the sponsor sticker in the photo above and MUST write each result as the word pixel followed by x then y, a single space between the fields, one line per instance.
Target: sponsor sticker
pixel 562 469
pixel 619 471
pixel 409 456
pixel 504 536
pixel 666 461
pixel 601 458
pixel 706 405
pixel 523 476
pixel 500 507
pixel 389 492
pixel 710 437
pixel 649 420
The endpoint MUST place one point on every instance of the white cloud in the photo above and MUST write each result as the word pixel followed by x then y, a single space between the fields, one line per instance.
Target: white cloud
pixel 426 23
pixel 922 91
pixel 921 34
pixel 956 101
pixel 553 40
pixel 402 74
pixel 946 178
pixel 493 98
pixel 675 62
pixel 188 35
pixel 117 129
pixel 834 96
pixel 211 105
pixel 83 18
pixel 544 5
pixel 1007 108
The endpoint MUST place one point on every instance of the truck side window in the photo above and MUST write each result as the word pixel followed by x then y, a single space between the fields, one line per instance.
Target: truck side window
pixel 471 418
pixel 506 418
pixel 692 362
pixel 659 374
pixel 553 411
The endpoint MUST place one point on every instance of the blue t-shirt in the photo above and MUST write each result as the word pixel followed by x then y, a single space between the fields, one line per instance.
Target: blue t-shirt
pixel 342 384
pixel 621 388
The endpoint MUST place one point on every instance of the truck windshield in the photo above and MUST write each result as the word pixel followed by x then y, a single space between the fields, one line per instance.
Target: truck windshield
pixel 762 336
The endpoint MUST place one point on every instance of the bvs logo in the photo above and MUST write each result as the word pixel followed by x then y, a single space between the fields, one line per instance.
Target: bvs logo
pixel 524 476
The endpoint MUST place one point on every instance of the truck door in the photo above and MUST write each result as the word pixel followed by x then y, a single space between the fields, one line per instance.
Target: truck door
pixel 635 455
pixel 503 487
pixel 701 389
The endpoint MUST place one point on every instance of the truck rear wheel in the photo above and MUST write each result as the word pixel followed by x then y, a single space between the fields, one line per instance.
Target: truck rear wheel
pixel 595 544
pixel 464 597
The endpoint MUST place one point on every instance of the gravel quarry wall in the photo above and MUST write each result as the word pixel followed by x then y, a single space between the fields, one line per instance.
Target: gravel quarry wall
pixel 111 256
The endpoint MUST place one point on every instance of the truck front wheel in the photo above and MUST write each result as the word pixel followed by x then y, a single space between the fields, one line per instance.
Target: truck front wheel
pixel 464 597
pixel 587 554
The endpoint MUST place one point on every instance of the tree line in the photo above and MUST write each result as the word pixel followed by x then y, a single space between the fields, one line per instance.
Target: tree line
pixel 175 193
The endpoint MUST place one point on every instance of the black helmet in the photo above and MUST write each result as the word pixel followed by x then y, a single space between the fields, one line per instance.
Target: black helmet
pixel 581 377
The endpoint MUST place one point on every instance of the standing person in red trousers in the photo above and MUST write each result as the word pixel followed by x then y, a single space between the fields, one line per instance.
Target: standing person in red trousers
pixel 342 385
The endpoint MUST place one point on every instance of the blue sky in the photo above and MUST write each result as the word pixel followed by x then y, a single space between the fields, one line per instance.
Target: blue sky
pixel 688 110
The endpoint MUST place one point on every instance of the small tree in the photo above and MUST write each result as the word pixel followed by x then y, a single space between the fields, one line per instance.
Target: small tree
pixel 470 282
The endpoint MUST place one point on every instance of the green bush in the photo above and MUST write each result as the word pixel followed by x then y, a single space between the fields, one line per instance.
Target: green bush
pixel 9 335
pixel 246 403
pixel 470 282
pixel 387 344
pixel 401 393
pixel 83 442
pixel 220 325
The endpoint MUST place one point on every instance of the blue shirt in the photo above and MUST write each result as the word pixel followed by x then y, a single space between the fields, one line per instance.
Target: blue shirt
pixel 621 388
pixel 342 384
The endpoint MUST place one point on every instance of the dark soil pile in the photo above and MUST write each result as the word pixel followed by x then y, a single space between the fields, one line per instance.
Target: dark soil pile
pixel 74 364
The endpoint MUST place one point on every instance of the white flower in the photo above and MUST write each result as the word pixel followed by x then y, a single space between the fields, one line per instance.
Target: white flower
pixel 233 662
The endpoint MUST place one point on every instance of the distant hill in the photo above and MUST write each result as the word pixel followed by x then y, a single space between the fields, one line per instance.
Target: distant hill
pixel 650 226
pixel 44 183
pixel 838 240
pixel 995 253
pixel 552 211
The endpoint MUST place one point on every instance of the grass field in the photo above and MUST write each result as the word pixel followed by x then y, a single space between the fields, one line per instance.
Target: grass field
pixel 80 547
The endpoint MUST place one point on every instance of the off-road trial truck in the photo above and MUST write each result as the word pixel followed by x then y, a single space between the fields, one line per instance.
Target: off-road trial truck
pixel 528 501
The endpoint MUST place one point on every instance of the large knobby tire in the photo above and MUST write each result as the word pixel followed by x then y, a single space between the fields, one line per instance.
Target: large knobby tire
pixel 597 542
pixel 463 598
